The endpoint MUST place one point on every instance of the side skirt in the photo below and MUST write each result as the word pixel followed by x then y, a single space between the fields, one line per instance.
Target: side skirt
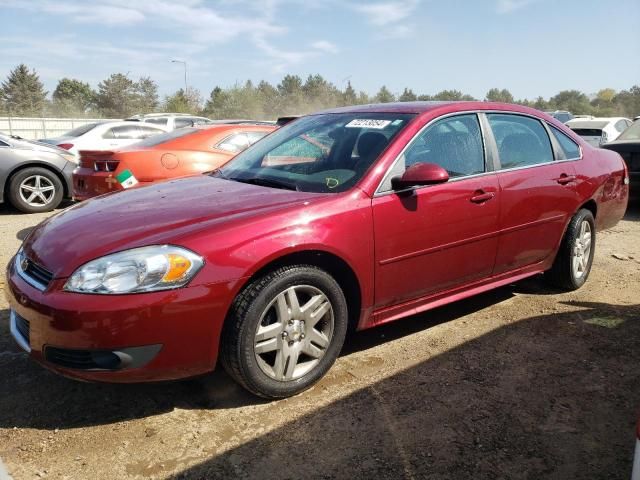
pixel 412 307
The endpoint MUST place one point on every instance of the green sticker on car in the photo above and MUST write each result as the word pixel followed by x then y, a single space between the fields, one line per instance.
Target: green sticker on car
pixel 126 179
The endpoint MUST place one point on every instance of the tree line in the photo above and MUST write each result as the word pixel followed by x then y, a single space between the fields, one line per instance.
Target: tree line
pixel 118 96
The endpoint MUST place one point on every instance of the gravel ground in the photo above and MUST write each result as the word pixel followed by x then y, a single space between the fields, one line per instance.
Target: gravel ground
pixel 522 382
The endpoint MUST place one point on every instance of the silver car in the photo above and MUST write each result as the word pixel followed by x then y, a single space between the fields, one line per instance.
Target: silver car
pixel 34 177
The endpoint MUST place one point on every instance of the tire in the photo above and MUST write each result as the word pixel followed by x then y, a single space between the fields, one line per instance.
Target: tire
pixel 263 334
pixel 35 190
pixel 573 262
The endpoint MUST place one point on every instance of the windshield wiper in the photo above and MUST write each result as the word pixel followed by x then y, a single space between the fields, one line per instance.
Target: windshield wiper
pixel 267 182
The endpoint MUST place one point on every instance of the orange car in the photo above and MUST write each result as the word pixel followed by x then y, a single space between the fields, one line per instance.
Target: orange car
pixel 182 152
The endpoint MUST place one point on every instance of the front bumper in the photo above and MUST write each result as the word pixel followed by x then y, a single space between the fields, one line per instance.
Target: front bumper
pixel 87 183
pixel 159 335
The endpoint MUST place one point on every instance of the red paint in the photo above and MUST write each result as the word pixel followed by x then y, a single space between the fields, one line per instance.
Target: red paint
pixel 409 252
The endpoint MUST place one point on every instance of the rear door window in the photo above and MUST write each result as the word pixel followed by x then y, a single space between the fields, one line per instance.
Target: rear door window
pixel 181 122
pixel 522 141
pixel 157 121
pixel 570 148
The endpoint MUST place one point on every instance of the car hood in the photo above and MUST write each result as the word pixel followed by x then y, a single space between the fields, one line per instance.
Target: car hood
pixel 157 214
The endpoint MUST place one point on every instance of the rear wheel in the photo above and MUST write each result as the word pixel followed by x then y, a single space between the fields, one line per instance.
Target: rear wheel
pixel 284 331
pixel 35 189
pixel 573 262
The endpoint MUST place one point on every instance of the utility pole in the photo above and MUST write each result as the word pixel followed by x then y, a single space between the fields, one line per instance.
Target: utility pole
pixel 184 64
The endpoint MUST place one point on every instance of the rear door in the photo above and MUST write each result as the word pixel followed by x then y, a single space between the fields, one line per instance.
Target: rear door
pixel 538 191
pixel 437 237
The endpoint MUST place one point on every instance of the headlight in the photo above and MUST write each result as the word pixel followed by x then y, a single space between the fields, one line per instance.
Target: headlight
pixel 146 269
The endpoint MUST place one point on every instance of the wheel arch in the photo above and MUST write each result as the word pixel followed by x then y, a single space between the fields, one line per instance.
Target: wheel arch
pixel 590 205
pixel 34 163
pixel 333 264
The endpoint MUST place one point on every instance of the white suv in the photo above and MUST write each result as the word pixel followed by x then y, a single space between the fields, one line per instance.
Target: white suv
pixel 597 131
pixel 171 121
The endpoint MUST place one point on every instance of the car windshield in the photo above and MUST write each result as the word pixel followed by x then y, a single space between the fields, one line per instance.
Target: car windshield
pixel 81 130
pixel 631 133
pixel 154 140
pixel 319 153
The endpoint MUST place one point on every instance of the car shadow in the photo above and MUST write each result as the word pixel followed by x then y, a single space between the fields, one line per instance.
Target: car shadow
pixel 73 404
pixel 633 210
pixel 552 396
pixel 8 210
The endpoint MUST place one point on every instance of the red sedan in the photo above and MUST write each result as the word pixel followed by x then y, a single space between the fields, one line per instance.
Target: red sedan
pixel 376 213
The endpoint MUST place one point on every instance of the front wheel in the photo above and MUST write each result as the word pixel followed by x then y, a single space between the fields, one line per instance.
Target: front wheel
pixel 284 331
pixel 573 262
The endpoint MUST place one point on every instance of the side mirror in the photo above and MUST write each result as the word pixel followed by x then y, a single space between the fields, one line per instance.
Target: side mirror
pixel 420 174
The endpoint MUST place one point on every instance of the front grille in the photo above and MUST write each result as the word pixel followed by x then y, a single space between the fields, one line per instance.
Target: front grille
pixel 35 272
pixel 82 359
pixel 22 326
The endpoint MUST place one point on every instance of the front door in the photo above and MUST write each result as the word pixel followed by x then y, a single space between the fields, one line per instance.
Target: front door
pixel 443 236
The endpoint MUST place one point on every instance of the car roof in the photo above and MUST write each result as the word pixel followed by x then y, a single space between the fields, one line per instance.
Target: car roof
pixel 440 108
pixel 592 122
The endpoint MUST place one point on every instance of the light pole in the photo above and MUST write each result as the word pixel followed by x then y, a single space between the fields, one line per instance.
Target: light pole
pixel 186 87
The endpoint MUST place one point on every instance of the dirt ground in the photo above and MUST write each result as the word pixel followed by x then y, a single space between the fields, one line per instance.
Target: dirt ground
pixel 520 383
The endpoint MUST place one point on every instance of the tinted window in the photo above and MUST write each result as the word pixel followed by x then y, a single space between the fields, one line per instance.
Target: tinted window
pixel 181 122
pixel 234 143
pixel 316 153
pixel 157 121
pixel 632 133
pixel 146 132
pixel 621 126
pixel 125 132
pixel 255 136
pixel 521 140
pixel 3 144
pixel 76 132
pixel 569 147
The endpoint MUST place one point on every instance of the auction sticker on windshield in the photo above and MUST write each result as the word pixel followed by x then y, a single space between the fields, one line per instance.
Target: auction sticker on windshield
pixel 368 123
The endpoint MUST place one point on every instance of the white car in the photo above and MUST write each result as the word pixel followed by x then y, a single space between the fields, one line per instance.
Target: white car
pixel 171 121
pixel 104 136
pixel 597 131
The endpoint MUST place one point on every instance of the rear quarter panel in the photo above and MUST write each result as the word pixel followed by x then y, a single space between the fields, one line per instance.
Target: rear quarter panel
pixel 601 174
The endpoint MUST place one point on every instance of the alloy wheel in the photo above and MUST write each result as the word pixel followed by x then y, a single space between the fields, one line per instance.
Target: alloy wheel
pixel 37 191
pixel 294 332
pixel 581 252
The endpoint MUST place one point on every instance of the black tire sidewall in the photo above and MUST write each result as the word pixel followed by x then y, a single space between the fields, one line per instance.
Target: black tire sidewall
pixel 254 376
pixel 20 176
pixel 573 232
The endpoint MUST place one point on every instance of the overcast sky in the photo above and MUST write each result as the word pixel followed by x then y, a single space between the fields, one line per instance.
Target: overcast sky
pixel 531 47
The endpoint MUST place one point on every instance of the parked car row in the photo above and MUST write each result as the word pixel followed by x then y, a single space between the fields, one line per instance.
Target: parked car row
pixel 344 219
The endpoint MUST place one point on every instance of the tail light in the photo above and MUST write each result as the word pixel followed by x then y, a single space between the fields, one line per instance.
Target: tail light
pixel 106 165
pixel 66 146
